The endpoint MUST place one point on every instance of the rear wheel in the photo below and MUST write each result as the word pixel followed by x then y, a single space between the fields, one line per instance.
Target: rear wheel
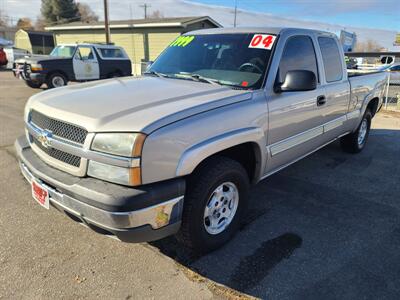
pixel 356 141
pixel 56 80
pixel 34 85
pixel 215 202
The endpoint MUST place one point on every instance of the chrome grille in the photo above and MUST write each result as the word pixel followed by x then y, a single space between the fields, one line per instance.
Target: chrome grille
pixel 61 129
pixel 67 158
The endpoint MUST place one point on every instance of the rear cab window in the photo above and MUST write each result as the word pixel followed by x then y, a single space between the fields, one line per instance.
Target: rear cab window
pixel 331 58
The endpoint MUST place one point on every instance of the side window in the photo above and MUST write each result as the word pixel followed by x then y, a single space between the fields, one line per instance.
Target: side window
pixel 85 53
pixel 111 53
pixel 299 54
pixel 331 58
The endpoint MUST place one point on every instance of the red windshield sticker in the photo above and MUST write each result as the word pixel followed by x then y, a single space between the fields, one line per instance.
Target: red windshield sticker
pixel 244 83
pixel 262 41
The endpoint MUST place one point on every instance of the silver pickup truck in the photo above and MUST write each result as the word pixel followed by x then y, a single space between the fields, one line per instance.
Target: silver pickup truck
pixel 175 151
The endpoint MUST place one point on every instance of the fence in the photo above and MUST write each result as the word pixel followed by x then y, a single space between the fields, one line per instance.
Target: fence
pixel 392 94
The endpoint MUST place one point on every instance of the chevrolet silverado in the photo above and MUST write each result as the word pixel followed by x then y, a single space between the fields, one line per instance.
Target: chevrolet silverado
pixel 174 152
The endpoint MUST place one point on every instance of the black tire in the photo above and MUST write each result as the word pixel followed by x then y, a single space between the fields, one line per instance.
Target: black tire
pixel 200 187
pixel 34 85
pixel 114 74
pixel 51 84
pixel 350 143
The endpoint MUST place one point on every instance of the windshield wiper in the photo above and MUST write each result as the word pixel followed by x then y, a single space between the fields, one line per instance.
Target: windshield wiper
pixel 198 77
pixel 156 74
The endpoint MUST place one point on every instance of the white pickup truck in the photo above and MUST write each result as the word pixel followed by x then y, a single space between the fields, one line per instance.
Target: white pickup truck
pixel 175 151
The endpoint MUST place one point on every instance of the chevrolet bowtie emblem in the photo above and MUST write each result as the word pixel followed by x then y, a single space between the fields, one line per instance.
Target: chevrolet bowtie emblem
pixel 45 138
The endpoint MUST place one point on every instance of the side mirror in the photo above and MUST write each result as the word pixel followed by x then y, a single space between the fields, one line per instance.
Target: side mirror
pixel 297 80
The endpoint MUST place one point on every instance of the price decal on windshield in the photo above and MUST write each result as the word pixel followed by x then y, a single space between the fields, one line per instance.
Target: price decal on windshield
pixel 182 41
pixel 262 41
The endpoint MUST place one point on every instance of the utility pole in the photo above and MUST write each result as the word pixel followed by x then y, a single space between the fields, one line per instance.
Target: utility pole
pixel 145 6
pixel 235 13
pixel 106 22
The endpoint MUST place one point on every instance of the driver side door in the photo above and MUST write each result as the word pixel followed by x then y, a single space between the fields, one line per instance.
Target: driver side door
pixel 86 64
pixel 295 118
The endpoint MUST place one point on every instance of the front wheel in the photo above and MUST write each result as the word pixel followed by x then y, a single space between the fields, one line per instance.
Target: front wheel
pixel 215 202
pixel 56 80
pixel 356 141
pixel 32 84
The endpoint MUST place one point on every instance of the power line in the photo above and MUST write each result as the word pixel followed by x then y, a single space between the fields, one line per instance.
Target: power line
pixel 145 6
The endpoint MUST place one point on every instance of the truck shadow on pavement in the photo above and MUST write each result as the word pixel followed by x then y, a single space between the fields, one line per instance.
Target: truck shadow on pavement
pixel 328 226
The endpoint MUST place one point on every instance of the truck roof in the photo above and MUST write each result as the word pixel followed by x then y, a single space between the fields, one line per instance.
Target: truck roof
pixel 270 30
pixel 100 45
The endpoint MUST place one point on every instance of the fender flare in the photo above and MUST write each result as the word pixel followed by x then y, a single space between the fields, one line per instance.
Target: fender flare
pixel 197 153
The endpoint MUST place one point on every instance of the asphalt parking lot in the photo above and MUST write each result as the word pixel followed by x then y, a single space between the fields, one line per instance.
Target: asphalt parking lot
pixel 327 227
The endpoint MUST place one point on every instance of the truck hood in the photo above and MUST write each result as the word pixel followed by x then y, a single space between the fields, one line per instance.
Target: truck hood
pixel 34 59
pixel 141 104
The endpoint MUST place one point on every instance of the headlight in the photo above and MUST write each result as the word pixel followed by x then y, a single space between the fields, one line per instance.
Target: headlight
pixel 36 68
pixel 125 176
pixel 122 144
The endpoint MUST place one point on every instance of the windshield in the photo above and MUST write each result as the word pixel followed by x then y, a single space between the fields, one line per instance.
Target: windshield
pixel 238 60
pixel 63 51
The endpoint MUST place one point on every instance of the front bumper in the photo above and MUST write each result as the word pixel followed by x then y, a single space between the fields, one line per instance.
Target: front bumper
pixel 132 215
pixel 20 71
pixel 36 77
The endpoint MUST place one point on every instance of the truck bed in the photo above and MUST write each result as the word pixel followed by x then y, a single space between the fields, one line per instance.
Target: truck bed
pixel 355 73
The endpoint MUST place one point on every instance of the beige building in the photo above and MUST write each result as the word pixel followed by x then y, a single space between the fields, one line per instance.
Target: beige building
pixel 143 40
pixel 36 42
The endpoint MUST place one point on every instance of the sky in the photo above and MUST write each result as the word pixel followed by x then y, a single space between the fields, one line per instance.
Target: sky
pixel 383 14
pixel 377 20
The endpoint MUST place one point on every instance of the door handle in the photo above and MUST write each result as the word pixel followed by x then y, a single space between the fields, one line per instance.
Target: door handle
pixel 321 100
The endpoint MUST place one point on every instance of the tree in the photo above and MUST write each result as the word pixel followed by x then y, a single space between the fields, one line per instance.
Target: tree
pixel 59 11
pixel 156 15
pixel 40 23
pixel 25 24
pixel 367 46
pixel 86 13
pixel 3 20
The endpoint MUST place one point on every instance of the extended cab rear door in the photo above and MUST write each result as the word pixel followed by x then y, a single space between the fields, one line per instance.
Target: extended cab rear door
pixel 337 87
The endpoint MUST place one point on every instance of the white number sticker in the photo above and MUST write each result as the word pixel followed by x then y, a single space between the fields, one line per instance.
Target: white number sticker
pixel 262 41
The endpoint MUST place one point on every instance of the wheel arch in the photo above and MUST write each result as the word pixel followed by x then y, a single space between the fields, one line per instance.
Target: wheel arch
pixel 57 71
pixel 373 105
pixel 235 145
